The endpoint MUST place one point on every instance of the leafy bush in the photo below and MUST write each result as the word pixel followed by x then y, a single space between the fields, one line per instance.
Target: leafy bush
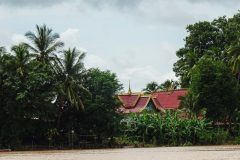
pixel 170 129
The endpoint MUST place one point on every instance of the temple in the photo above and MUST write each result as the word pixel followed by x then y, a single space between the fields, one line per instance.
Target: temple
pixel 157 101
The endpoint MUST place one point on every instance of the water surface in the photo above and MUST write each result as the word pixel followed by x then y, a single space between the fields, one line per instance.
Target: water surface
pixel 159 153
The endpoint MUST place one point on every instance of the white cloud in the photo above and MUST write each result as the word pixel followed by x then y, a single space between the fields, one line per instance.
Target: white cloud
pixel 137 39
pixel 18 38
pixel 5 38
pixel 93 61
pixel 34 3
pixel 180 13
pixel 141 75
pixel 71 37
pixel 8 39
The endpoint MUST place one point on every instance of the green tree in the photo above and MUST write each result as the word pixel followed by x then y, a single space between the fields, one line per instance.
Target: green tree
pixel 214 88
pixel 206 38
pixel 188 104
pixel 70 71
pixel 101 116
pixel 169 85
pixel 44 43
pixel 234 52
pixel 21 58
pixel 151 87
pixel 2 53
pixel 26 95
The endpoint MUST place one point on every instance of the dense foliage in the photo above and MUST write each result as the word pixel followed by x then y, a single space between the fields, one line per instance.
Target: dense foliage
pixel 216 90
pixel 207 38
pixel 46 94
pixel 209 66
pixel 170 129
pixel 165 86
pixel 100 116
pixel 49 98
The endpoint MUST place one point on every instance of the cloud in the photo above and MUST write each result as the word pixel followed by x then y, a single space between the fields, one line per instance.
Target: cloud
pixel 137 39
pixel 71 37
pixel 94 61
pixel 180 13
pixel 143 64
pixel 216 2
pixel 158 12
pixel 5 38
pixel 141 75
pixel 118 4
pixel 162 12
pixel 24 3
pixel 18 38
pixel 8 39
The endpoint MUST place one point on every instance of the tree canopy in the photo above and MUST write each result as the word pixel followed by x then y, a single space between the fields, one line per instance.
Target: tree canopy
pixel 215 89
pixel 206 38
pixel 46 93
pixel 208 65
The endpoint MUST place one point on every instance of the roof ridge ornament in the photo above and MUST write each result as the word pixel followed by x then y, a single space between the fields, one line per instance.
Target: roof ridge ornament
pixel 129 88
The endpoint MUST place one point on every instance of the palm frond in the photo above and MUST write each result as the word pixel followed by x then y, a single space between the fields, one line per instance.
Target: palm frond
pixel 54 47
pixel 44 42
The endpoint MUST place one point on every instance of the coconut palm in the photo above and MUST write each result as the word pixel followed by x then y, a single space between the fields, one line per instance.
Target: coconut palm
pixel 21 57
pixel 169 85
pixel 2 51
pixel 234 52
pixel 151 87
pixel 70 70
pixel 44 43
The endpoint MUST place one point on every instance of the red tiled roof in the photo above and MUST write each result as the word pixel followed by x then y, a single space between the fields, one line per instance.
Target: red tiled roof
pixel 170 99
pixel 157 104
pixel 129 101
pixel 161 100
pixel 140 104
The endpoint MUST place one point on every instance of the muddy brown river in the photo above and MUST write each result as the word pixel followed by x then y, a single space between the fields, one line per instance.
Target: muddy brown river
pixel 159 153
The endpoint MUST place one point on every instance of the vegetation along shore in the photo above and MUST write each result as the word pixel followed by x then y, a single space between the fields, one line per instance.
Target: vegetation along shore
pixel 49 100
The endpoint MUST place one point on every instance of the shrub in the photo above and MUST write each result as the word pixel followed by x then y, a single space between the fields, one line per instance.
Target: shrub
pixel 169 129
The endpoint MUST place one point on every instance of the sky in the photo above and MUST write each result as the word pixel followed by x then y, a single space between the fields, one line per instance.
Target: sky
pixel 136 39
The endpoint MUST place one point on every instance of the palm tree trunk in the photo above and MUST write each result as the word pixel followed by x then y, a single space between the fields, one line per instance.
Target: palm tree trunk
pixel 60 112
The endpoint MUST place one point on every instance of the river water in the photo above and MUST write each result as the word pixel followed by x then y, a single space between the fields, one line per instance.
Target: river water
pixel 159 153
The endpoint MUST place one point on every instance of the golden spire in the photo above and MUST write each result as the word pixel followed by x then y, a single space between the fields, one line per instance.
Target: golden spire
pixel 129 88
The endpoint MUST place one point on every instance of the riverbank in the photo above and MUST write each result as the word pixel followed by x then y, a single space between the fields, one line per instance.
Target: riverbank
pixel 231 152
pixel 5 150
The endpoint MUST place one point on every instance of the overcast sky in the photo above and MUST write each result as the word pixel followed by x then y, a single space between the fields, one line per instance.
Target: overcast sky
pixel 136 39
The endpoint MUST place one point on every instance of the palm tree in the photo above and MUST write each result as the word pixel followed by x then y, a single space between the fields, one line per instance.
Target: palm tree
pixel 151 87
pixel 2 54
pixel 44 43
pixel 21 57
pixel 169 85
pixel 70 70
pixel 2 51
pixel 234 52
